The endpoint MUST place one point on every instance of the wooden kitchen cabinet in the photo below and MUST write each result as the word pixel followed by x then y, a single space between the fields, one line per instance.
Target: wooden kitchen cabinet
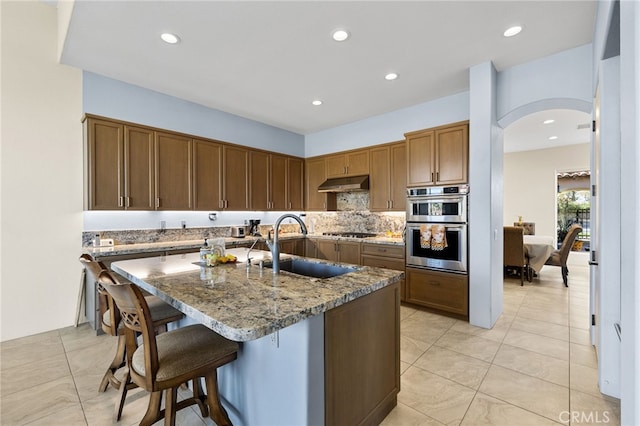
pixel 438 156
pixel 361 337
pixel 275 182
pixel 338 251
pixel 235 182
pixel 438 290
pixel 207 175
pixel 120 172
pixel 295 246
pixel 351 163
pixel 388 177
pixel 173 172
pixel 316 173
pixel 388 256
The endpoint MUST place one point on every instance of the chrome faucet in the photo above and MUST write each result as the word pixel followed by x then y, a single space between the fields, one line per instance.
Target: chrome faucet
pixel 274 246
pixel 249 252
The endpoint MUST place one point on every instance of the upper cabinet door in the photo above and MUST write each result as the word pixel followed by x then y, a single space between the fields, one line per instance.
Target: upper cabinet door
pixel 259 180
pixel 236 178
pixel 139 168
pixel 105 177
pixel 358 162
pixel 398 167
pixel 295 183
pixel 420 170
pixel 336 165
pixel 207 175
pixel 452 148
pixel 380 179
pixel 278 182
pixel 173 172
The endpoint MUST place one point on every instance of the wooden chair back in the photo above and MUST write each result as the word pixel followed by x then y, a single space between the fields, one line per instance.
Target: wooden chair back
pixel 105 302
pixel 136 317
pixel 514 246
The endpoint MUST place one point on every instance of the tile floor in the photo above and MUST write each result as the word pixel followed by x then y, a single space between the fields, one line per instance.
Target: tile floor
pixel 535 367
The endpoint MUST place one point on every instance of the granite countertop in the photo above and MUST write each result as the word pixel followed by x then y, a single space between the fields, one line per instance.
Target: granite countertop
pixel 243 303
pixel 125 249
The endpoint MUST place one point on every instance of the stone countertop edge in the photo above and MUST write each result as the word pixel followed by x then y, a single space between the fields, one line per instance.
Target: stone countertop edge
pixel 123 249
pixel 248 308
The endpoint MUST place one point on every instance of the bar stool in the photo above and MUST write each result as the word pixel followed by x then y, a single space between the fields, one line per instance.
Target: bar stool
pixel 162 314
pixel 164 362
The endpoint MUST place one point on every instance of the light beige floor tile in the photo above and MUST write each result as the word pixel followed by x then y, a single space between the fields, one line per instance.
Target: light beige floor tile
pixel 496 333
pixel 34 374
pixel 583 355
pixel 45 338
pixel 580 336
pixel 532 394
pixel 466 344
pixel 406 311
pixel 533 364
pixel 545 304
pixel 71 416
pixel 34 403
pixel 536 343
pixel 100 409
pixel 418 328
pixel 404 366
pixel 542 315
pixel 454 366
pixel 442 399
pixel 542 328
pixel 45 347
pixel 584 379
pixel 485 410
pixel 594 410
pixel 411 349
pixel 74 338
pixel 403 415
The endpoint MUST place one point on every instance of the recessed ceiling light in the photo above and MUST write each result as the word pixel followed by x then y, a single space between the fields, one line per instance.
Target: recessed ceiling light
pixel 553 138
pixel 391 76
pixel 340 35
pixel 548 121
pixel 169 38
pixel 510 32
pixel 317 102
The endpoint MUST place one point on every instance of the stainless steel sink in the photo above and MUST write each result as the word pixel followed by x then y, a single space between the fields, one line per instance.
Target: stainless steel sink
pixel 311 269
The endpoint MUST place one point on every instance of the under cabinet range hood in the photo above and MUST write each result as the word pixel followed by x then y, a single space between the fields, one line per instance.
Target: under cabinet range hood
pixel 345 184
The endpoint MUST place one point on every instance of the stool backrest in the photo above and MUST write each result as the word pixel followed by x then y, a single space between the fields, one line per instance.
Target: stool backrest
pixel 93 269
pixel 136 318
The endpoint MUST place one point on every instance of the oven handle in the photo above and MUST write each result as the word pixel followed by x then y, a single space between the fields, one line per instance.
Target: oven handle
pixel 437 199
pixel 455 226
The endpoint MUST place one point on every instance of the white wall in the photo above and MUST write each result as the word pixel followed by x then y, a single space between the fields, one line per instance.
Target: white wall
pixel 41 174
pixel 116 99
pixel 389 127
pixel 530 187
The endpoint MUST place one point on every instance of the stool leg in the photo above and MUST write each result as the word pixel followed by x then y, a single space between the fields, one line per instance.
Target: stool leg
pixel 117 363
pixel 200 397
pixel 153 410
pixel 170 406
pixel 216 411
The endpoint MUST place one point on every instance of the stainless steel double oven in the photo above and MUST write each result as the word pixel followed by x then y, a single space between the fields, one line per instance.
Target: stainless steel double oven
pixel 437 228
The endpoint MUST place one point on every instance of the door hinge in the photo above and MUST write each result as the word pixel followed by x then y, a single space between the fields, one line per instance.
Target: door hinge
pixel 593 125
pixel 593 190
pixel 593 319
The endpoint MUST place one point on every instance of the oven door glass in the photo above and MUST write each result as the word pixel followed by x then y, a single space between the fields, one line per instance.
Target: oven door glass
pixel 437 246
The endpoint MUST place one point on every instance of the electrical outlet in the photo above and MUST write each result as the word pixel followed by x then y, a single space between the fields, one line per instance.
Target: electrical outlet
pixel 184 224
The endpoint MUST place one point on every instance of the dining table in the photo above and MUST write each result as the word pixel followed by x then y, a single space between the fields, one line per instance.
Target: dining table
pixel 538 248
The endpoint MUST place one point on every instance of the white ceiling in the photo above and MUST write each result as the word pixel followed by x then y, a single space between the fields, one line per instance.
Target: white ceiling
pixel 268 60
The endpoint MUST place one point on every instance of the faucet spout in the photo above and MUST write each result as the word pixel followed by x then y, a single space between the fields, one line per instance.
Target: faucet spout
pixel 274 246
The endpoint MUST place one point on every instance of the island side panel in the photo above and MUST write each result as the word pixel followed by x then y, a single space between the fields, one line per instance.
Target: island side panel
pixel 278 382
pixel 362 358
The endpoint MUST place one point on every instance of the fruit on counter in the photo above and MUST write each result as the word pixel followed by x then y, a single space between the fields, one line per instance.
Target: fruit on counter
pixel 213 259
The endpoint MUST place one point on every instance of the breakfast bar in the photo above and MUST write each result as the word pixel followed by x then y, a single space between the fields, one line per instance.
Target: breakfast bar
pixel 310 347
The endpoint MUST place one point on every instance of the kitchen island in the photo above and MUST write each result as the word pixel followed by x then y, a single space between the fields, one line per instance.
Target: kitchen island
pixel 314 351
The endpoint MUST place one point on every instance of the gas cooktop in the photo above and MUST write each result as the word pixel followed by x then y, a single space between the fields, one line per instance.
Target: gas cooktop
pixel 350 234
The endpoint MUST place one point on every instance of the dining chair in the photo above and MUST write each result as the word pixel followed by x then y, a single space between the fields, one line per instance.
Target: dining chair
pixel 559 257
pixel 164 362
pixel 514 253
pixel 161 312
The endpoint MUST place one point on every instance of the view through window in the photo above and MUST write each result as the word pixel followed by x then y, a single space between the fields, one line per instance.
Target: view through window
pixel 574 206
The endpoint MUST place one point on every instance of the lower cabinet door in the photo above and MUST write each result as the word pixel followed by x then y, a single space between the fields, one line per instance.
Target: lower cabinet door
pixel 439 290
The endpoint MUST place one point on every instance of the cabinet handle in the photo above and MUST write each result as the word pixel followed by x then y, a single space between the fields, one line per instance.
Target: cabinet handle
pixel 432 180
pixel 226 203
pixel 157 202
pixel 434 283
pixel 289 205
pixel 120 201
pixel 346 169
pixel 390 204
pixel 128 201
